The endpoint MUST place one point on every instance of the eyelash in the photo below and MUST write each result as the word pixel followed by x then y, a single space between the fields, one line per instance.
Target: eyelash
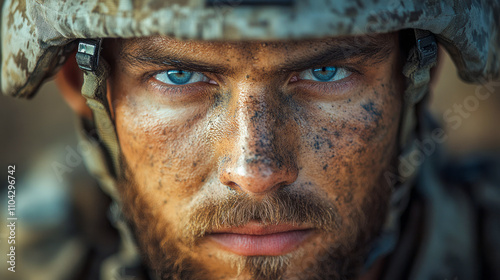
pixel 335 86
pixel 163 90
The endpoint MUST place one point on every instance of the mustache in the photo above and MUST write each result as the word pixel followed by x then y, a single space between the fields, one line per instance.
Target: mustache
pixel 280 207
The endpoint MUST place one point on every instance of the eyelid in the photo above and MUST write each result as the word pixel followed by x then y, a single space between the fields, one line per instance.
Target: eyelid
pixel 190 92
pixel 330 90
pixel 187 77
pixel 310 75
pixel 149 77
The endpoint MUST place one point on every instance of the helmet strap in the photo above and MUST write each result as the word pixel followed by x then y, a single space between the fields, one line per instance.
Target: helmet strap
pixel 96 72
pixel 103 154
pixel 422 57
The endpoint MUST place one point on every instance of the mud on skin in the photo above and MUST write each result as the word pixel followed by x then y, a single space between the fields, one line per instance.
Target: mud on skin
pixel 258 129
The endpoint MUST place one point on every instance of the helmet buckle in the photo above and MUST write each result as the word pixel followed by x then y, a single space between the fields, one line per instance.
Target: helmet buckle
pixel 87 55
pixel 427 50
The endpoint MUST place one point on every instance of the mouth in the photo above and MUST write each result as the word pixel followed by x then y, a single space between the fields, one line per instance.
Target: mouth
pixel 255 239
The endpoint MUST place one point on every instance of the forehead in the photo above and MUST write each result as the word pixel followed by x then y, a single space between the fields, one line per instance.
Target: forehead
pixel 366 45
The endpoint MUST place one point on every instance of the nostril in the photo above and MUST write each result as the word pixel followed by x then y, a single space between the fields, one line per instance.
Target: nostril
pixel 256 173
pixel 252 180
pixel 232 186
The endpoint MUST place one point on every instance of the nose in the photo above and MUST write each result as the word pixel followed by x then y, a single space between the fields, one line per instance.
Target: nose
pixel 256 176
pixel 262 154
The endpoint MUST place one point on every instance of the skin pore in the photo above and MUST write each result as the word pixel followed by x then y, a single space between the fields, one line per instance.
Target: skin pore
pixel 264 138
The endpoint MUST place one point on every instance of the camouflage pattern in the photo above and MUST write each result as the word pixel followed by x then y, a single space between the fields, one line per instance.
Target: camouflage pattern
pixel 37 35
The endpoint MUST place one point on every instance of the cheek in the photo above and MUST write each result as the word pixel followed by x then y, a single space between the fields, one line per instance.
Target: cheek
pixel 352 142
pixel 163 148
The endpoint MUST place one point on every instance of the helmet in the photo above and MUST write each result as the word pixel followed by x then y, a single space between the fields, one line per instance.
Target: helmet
pixel 38 37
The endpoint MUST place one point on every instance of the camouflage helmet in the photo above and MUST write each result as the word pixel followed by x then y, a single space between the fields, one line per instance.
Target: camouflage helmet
pixel 39 35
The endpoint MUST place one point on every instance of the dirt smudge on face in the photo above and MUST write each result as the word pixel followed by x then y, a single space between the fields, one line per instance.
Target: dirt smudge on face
pixel 371 120
pixel 254 122
pixel 371 109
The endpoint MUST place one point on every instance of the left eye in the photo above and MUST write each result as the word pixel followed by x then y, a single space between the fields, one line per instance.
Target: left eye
pixel 180 77
pixel 325 74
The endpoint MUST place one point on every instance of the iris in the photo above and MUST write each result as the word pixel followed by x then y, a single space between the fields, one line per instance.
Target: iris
pixel 179 77
pixel 324 74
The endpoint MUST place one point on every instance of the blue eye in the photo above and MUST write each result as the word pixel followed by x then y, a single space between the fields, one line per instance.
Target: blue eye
pixel 180 77
pixel 325 74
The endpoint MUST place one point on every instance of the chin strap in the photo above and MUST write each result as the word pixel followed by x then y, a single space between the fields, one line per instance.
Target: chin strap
pixel 102 158
pixel 422 57
pixel 94 90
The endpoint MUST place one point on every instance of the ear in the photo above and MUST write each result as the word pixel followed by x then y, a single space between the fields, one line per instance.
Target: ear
pixel 69 80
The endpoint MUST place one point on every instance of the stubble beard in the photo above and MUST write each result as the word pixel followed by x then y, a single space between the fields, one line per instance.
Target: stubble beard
pixel 341 260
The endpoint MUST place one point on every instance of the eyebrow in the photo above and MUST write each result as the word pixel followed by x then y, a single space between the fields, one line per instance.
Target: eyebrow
pixel 156 59
pixel 367 50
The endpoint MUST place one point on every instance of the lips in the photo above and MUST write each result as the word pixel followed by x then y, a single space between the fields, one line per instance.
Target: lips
pixel 255 239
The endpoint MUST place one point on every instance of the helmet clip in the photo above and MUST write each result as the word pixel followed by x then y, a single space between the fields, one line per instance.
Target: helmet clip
pixel 87 56
pixel 427 50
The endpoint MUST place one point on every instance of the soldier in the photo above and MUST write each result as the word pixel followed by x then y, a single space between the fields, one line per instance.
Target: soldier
pixel 270 139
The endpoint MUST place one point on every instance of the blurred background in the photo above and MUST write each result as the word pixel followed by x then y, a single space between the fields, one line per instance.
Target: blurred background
pixel 62 213
pixel 38 136
pixel 476 129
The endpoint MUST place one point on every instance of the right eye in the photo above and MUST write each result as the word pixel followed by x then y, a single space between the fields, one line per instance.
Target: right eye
pixel 325 74
pixel 180 77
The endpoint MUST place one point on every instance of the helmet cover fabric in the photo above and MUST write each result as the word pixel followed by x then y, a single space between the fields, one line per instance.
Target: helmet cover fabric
pixel 37 34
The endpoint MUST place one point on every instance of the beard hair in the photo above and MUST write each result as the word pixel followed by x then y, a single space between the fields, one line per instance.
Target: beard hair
pixel 340 260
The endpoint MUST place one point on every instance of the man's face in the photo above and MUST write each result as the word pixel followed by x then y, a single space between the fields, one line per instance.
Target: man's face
pixel 256 159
